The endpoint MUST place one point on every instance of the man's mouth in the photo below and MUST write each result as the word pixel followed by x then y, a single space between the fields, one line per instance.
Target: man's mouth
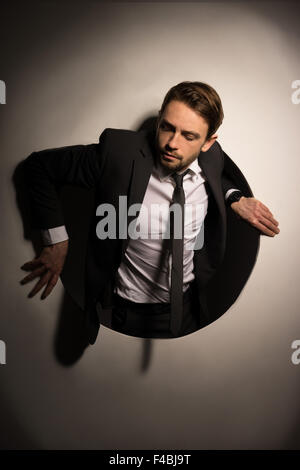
pixel 169 156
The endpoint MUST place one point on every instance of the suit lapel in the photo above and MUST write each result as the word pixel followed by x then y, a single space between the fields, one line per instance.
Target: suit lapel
pixel 214 227
pixel 140 175
pixel 207 161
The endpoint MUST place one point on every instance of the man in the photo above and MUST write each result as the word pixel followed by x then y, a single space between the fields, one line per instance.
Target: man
pixel 154 286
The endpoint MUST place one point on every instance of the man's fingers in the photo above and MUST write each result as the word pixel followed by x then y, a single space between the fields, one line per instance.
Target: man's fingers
pixel 259 206
pixel 274 223
pixel 269 224
pixel 269 215
pixel 263 228
pixel 35 273
pixel 31 264
pixel 40 284
pixel 50 286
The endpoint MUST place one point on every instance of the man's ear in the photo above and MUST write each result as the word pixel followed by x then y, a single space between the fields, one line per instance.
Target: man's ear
pixel 208 143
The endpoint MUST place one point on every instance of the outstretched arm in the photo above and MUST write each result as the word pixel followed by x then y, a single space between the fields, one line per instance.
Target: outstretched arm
pixel 46 171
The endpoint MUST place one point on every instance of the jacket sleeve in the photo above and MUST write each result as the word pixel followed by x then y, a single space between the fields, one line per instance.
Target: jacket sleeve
pixel 48 170
pixel 228 185
pixel 233 178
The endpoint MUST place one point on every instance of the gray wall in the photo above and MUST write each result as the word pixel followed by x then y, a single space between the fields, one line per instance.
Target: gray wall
pixel 73 68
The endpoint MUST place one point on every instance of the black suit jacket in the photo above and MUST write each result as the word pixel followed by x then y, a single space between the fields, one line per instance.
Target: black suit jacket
pixel 121 164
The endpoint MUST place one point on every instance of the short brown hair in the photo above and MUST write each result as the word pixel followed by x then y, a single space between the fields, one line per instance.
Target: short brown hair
pixel 202 98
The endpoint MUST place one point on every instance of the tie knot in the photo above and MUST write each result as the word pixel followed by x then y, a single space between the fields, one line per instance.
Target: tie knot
pixel 179 178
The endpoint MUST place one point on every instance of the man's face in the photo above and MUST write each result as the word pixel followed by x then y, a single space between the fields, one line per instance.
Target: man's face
pixel 180 136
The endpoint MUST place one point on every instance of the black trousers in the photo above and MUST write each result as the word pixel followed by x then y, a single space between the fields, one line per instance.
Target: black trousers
pixel 148 320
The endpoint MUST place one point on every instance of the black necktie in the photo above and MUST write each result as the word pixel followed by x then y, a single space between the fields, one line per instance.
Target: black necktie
pixel 177 255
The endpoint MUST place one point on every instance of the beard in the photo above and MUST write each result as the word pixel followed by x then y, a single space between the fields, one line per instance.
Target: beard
pixel 176 164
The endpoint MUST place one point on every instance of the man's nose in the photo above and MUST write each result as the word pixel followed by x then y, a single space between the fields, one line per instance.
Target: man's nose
pixel 173 141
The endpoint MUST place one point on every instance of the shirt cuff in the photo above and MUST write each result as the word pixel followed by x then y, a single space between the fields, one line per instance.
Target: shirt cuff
pixel 231 191
pixel 54 235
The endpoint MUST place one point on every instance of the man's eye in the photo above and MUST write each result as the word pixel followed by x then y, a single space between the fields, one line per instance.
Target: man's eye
pixel 189 137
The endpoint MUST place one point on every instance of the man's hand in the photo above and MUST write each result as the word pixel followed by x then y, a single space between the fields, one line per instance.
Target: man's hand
pixel 257 214
pixel 48 266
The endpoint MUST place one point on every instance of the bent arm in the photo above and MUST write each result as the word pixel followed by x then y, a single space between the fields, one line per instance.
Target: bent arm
pixel 48 170
pixel 248 207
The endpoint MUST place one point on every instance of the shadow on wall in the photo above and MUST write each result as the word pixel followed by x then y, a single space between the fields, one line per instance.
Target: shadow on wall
pixel 78 205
